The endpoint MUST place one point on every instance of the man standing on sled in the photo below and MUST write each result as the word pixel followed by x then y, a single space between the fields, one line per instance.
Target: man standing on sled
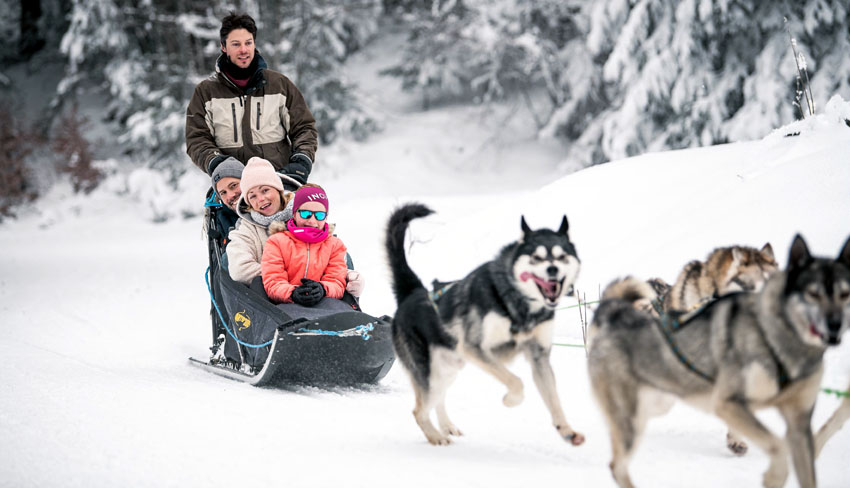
pixel 245 109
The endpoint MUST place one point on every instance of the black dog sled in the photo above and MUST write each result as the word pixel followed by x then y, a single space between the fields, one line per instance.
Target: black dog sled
pixel 266 345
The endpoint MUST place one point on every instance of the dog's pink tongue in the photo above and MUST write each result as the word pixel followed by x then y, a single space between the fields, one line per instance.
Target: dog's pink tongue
pixel 549 287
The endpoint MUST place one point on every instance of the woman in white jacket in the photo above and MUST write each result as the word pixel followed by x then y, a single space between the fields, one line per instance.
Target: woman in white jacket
pixel 263 201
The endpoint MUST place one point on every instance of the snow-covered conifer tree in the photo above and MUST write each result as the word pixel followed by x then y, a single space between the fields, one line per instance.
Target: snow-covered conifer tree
pixel 686 73
pixel 484 49
pixel 628 76
pixel 309 41
pixel 151 54
pixel 438 56
pixel 134 50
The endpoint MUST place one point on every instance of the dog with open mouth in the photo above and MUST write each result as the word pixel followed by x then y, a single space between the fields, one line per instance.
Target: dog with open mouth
pixel 501 309
pixel 742 353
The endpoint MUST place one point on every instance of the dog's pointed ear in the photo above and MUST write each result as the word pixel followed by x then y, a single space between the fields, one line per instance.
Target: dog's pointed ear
pixel 525 228
pixel 767 251
pixel 844 255
pixel 737 255
pixel 799 254
pixel 565 226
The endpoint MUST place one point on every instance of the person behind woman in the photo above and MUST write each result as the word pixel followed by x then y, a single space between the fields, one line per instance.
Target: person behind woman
pixel 302 262
pixel 225 182
pixel 263 201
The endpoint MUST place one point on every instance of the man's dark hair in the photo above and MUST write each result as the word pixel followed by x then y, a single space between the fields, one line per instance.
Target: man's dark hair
pixel 235 21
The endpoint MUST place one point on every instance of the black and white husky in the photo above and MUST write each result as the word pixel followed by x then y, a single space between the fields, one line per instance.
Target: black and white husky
pixel 502 308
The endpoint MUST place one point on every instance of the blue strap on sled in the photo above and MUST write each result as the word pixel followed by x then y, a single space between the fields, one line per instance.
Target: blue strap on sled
pixel 212 201
pixel 223 321
pixel 360 330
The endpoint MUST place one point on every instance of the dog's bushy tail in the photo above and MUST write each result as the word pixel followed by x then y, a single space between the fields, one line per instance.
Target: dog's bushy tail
pixel 638 293
pixel 629 289
pixel 405 280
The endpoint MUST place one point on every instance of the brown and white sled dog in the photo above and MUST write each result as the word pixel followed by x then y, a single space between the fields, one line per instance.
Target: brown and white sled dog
pixel 742 352
pixel 726 270
pixel 501 309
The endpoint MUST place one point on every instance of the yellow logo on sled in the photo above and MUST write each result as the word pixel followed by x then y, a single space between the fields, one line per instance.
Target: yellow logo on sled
pixel 242 319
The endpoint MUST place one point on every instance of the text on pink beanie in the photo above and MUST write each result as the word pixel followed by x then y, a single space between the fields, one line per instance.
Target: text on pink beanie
pixel 309 194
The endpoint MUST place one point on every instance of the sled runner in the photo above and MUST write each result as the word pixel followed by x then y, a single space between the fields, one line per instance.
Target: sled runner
pixel 254 341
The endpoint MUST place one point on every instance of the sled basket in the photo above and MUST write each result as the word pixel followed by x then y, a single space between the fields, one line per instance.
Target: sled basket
pixel 265 344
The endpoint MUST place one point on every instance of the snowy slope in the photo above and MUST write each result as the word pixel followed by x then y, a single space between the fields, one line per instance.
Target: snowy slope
pixel 101 309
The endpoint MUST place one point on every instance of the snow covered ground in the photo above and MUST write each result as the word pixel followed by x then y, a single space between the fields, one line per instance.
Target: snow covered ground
pixel 101 308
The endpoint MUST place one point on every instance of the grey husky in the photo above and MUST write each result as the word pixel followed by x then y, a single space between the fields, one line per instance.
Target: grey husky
pixel 501 309
pixel 743 352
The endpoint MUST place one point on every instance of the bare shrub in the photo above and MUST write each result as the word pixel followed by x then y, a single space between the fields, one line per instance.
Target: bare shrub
pixel 75 153
pixel 17 141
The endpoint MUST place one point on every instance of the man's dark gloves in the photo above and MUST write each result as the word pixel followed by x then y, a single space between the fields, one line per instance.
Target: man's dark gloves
pixel 214 162
pixel 308 293
pixel 299 167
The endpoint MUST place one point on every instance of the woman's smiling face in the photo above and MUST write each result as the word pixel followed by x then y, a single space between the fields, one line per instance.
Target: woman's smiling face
pixel 264 199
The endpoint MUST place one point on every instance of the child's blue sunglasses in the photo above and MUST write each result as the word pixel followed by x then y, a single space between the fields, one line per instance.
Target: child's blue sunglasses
pixel 306 214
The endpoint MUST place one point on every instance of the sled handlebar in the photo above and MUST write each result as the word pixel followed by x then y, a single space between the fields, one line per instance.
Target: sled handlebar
pixel 289 181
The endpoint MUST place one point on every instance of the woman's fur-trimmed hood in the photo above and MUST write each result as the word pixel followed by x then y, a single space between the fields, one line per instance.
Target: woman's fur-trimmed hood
pixel 276 227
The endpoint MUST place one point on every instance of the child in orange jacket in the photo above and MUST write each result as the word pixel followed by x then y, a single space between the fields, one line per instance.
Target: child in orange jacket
pixel 302 263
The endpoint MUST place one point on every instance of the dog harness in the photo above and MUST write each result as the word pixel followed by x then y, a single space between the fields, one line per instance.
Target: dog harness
pixel 668 326
pixel 522 319
pixel 439 292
